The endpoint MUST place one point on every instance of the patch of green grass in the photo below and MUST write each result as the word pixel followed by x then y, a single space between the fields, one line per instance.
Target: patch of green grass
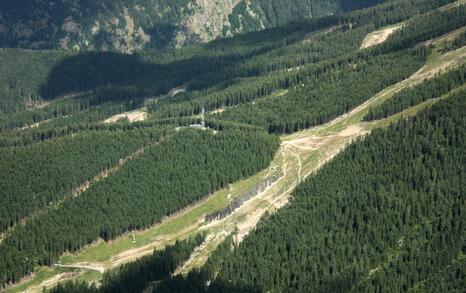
pixel 332 129
pixel 311 159
pixel 103 251
pixel 91 277
pixel 45 273
pixel 40 276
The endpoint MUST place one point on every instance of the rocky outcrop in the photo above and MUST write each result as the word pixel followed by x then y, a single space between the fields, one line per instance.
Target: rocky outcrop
pixel 129 26
pixel 78 25
pixel 207 20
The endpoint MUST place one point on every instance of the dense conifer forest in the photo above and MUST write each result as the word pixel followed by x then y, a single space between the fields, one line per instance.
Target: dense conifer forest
pixel 433 88
pixel 399 230
pixel 457 43
pixel 93 107
pixel 311 69
pixel 50 170
pixel 327 96
pixel 196 280
pixel 27 70
pixel 178 171
pixel 386 215
pixel 426 27
pixel 396 230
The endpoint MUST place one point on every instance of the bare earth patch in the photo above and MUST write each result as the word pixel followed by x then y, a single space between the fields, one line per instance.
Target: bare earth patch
pixel 36 104
pixel 50 283
pixel 84 266
pixel 218 111
pixel 378 37
pixel 350 131
pixel 177 90
pixel 133 116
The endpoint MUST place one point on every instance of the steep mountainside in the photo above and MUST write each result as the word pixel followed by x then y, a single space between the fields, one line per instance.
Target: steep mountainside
pixel 245 140
pixel 399 229
pixel 131 25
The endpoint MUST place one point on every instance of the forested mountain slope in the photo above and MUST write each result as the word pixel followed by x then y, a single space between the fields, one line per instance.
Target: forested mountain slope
pixel 50 170
pixel 89 179
pixel 386 216
pixel 433 88
pixel 166 177
pixel 229 65
pixel 133 25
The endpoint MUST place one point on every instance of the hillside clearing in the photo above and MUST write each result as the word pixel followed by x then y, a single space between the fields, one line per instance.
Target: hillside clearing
pixel 379 36
pixel 132 116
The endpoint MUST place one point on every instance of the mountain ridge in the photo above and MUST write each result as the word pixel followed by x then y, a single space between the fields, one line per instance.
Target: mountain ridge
pixel 129 26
